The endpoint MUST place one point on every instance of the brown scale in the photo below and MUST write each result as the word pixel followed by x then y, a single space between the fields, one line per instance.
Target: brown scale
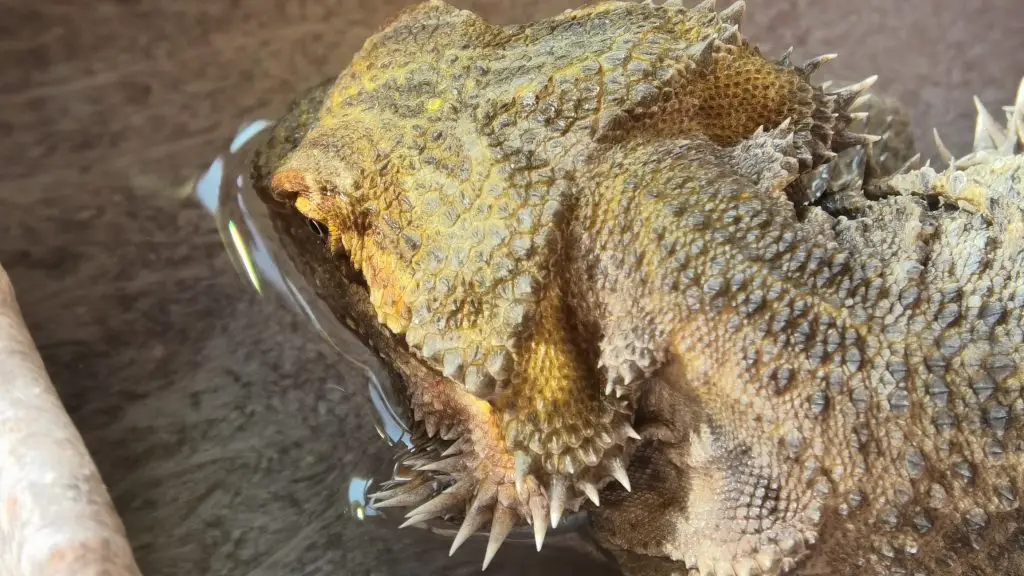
pixel 742 92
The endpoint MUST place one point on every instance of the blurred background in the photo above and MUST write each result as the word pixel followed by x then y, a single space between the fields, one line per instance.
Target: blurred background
pixel 219 421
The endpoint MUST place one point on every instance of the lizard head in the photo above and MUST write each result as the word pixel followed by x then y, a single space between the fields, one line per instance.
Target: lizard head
pixel 414 175
pixel 415 172
pixel 444 167
pixel 445 157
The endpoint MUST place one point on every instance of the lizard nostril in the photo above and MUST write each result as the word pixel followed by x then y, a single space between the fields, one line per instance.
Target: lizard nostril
pixel 286 184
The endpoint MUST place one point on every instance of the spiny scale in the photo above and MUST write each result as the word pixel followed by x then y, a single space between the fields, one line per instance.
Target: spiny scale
pixel 475 519
pixel 990 137
pixel 406 495
pixel 502 523
pixel 734 13
pixel 846 97
pixel 539 520
pixel 435 466
pixel 557 499
pixel 444 482
pixel 812 65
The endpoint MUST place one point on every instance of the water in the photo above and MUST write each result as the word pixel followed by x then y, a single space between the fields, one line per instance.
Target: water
pixel 256 251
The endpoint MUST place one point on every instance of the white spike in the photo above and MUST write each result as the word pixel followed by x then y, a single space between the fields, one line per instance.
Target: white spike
pixel 860 101
pixel 590 490
pixel 787 56
pixel 630 432
pixel 812 65
pixel 853 90
pixel 448 465
pixel 406 498
pixel 414 520
pixel 734 13
pixel 909 164
pixel 540 521
pixel 988 134
pixel 944 152
pixel 618 471
pixel 501 525
pixel 865 83
pixel 557 499
pixel 1015 122
pixel 443 501
pixel 473 521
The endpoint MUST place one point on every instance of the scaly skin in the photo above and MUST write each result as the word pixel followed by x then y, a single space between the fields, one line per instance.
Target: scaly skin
pixel 626 216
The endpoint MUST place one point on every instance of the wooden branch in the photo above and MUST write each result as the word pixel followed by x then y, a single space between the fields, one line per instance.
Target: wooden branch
pixel 56 517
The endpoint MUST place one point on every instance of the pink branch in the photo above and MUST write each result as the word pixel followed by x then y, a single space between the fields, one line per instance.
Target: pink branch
pixel 56 518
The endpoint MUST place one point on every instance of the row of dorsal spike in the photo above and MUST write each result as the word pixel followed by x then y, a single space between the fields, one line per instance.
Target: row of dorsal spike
pixel 837 111
pixel 990 137
pixel 731 15
pixel 807 68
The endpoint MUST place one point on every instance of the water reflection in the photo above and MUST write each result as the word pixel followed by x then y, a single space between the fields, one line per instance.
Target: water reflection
pixel 357 503
pixel 223 191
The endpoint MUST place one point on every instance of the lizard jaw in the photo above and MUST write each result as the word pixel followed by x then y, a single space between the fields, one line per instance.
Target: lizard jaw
pixel 548 440
pixel 465 466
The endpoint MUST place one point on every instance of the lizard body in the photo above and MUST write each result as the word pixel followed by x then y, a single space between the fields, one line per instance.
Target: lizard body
pixel 622 261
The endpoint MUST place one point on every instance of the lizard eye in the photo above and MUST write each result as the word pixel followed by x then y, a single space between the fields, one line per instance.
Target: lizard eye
pixel 317 227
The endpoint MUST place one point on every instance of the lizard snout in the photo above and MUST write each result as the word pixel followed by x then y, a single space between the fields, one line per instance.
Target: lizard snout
pixel 289 183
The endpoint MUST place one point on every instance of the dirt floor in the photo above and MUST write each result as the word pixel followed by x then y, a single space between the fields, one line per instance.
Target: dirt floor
pixel 207 410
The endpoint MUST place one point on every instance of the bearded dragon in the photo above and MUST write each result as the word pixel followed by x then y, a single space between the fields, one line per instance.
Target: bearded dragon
pixel 625 263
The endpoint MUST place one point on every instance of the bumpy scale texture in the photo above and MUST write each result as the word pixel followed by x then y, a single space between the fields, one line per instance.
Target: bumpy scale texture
pixel 625 262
